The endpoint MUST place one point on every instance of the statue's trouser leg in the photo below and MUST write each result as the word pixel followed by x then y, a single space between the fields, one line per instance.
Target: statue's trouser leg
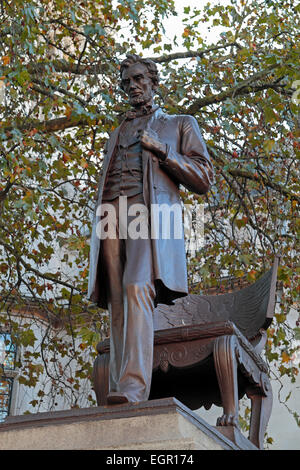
pixel 128 265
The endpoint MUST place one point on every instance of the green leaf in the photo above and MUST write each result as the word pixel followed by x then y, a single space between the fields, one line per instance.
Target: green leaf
pixel 297 333
pixel 268 145
pixel 27 337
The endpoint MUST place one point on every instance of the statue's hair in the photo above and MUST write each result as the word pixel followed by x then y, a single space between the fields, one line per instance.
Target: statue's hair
pixel 132 59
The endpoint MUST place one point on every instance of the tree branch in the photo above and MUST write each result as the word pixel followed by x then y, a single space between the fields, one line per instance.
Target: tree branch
pixel 61 90
pixel 28 267
pixel 62 66
pixel 242 88
pixel 165 58
pixel 45 92
pixel 5 191
pixel 266 181
pixel 237 172
pixel 53 125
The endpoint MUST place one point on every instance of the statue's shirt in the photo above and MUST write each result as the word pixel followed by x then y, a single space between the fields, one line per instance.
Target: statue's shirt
pixel 125 175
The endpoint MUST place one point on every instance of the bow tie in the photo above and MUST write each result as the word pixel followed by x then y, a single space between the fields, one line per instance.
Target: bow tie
pixel 143 111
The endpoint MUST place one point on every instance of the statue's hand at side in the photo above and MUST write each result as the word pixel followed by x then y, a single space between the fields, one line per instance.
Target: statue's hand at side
pixel 150 141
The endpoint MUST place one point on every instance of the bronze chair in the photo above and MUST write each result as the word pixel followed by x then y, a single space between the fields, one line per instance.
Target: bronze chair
pixel 207 351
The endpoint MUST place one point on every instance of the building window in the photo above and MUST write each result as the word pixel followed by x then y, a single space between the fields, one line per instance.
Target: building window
pixel 8 353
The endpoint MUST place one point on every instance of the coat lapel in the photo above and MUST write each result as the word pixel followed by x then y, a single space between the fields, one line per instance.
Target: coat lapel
pixel 154 124
pixel 156 120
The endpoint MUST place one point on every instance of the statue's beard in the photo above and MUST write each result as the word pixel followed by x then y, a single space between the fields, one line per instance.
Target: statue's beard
pixel 140 100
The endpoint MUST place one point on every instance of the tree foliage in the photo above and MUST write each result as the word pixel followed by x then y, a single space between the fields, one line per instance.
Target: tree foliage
pixel 60 98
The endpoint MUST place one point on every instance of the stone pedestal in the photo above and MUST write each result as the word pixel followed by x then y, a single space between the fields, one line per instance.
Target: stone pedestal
pixel 153 425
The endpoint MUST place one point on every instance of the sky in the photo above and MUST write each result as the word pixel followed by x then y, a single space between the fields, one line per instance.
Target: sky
pixel 174 24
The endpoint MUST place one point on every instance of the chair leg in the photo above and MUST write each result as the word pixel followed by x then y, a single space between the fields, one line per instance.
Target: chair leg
pixel 226 370
pixel 101 378
pixel 261 407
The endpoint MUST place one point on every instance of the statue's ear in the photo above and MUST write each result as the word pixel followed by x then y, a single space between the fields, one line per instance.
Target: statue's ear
pixel 154 88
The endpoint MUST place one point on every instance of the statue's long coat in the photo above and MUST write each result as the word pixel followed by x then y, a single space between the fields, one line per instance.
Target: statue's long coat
pixel 187 163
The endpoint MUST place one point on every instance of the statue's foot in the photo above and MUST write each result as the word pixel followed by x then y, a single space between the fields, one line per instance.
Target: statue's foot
pixel 116 398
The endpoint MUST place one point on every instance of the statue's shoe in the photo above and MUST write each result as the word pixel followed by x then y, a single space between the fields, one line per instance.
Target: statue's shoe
pixel 116 398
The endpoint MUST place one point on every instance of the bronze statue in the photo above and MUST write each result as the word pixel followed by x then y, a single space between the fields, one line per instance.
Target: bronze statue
pixel 146 159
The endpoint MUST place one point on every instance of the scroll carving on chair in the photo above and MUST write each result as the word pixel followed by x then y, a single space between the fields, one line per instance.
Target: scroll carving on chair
pixel 207 351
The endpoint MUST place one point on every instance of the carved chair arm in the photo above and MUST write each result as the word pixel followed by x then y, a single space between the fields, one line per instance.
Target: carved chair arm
pixel 259 342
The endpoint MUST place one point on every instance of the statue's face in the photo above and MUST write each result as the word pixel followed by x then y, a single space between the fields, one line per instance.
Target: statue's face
pixel 137 84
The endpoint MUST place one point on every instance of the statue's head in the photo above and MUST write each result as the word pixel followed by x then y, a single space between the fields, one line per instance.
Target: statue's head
pixel 139 79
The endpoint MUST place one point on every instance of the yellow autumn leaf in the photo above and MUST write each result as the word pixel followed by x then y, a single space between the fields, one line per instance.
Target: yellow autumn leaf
pixel 83 163
pixel 285 357
pixel 5 60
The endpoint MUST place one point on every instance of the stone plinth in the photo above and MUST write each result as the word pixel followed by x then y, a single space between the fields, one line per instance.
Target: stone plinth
pixel 153 425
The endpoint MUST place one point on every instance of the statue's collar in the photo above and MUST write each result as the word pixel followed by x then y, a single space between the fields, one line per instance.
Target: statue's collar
pixel 143 111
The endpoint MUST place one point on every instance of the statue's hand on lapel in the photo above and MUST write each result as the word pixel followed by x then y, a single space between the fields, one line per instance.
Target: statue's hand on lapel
pixel 150 141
